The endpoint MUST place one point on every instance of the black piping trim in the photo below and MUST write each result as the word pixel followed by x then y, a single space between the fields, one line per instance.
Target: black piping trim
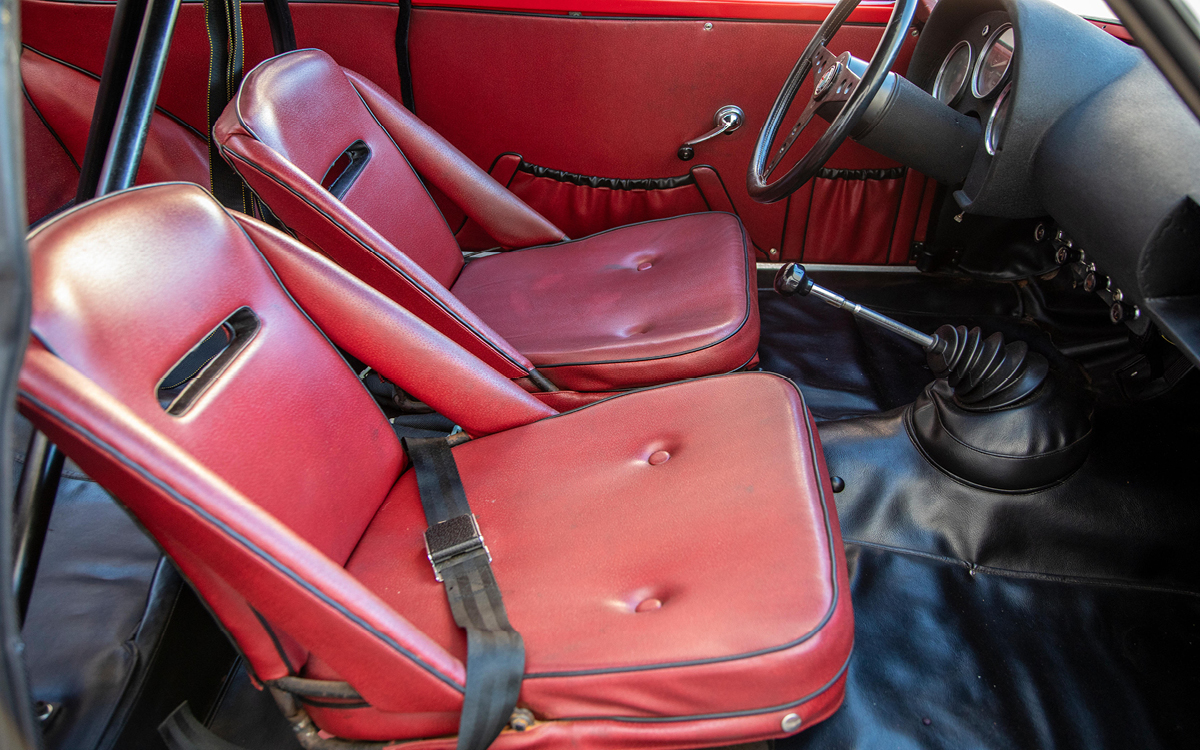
pixel 37 111
pixel 322 703
pixel 724 714
pixel 829 540
pixel 95 77
pixel 751 270
pixel 274 639
pixel 891 173
pixel 721 182
pixel 382 259
pixel 612 183
pixel 564 16
pixel 262 554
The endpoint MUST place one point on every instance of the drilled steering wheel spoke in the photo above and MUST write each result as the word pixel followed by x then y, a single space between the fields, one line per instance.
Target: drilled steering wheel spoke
pixel 809 110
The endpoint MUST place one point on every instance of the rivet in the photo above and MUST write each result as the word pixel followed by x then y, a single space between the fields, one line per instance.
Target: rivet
pixel 791 722
pixel 986 29
pixel 659 457
pixel 648 606
pixel 708 26
pixel 645 266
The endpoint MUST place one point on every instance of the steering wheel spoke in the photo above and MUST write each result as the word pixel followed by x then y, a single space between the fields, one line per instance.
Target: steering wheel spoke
pixel 842 90
pixel 809 110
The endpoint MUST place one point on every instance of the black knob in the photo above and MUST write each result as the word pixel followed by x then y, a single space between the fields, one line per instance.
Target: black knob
pixel 837 483
pixel 1094 281
pixel 1064 255
pixel 792 279
pixel 1122 311
pixel 686 153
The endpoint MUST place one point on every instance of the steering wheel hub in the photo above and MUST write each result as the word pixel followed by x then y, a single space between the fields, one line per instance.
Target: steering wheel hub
pixel 826 81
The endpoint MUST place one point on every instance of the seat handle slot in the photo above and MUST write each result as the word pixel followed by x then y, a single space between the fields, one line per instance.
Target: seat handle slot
pixel 192 375
pixel 346 169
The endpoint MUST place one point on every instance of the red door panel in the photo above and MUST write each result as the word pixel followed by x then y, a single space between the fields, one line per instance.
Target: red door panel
pixel 615 97
pixel 359 35
pixel 596 96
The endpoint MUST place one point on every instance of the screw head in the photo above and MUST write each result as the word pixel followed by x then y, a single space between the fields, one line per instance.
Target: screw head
pixel 708 26
pixel 791 722
pixel 1039 234
pixel 986 29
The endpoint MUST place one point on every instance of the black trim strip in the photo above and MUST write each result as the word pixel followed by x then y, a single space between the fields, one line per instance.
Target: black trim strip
pixel 891 173
pixel 723 714
pixel 751 283
pixel 612 183
pixel 274 639
pixel 565 17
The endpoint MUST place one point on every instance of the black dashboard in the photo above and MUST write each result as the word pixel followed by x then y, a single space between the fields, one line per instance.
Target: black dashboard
pixel 1078 126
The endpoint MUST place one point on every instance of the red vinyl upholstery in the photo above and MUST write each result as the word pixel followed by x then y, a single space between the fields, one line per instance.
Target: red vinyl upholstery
pixel 676 585
pixel 295 115
pixel 64 97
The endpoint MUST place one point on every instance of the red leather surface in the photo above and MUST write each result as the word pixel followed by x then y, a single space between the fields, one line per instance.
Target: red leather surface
pixel 286 450
pixel 639 305
pixel 617 97
pixel 700 532
pixel 851 220
pixel 51 178
pixel 291 120
pixel 583 210
pixel 66 98
pixel 361 36
pixel 497 211
pixel 302 106
pixel 373 328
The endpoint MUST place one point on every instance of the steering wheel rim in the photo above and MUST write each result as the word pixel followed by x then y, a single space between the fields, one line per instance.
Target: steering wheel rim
pixel 857 102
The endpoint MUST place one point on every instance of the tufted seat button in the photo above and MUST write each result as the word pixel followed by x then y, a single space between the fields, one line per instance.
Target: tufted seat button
pixel 645 266
pixel 648 605
pixel 659 457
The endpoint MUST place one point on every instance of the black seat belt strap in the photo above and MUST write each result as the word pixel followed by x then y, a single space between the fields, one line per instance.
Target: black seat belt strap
pixel 223 20
pixel 279 18
pixel 462 562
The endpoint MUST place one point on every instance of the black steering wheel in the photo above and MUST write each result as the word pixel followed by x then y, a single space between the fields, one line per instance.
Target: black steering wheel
pixel 838 83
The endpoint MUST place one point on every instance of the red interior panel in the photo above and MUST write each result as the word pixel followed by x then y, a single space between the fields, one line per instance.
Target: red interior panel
pixel 52 181
pixel 616 97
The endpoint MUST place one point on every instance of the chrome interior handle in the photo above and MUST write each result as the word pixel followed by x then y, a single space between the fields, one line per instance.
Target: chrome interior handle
pixel 728 119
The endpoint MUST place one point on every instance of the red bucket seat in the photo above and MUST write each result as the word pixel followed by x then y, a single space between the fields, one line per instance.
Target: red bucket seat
pixel 333 157
pixel 675 584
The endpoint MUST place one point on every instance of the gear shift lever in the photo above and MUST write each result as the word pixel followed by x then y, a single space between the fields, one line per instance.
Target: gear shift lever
pixel 995 417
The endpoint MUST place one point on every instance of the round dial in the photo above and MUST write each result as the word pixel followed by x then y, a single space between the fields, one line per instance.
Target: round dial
pixel 953 74
pixel 994 62
pixel 997 121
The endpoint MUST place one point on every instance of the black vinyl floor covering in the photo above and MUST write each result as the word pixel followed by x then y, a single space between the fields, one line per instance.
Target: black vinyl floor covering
pixel 1065 618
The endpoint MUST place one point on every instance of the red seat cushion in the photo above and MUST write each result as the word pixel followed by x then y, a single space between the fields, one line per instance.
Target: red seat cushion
pixel 643 304
pixel 585 523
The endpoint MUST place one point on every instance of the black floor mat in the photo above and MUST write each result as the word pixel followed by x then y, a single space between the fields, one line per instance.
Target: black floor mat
pixel 946 657
pixel 1066 618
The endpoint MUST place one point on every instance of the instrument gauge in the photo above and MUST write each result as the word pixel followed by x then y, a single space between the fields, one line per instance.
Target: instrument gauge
pixel 953 74
pixel 994 62
pixel 997 121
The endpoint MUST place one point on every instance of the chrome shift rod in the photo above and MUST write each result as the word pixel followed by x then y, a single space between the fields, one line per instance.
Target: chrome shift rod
pixel 793 279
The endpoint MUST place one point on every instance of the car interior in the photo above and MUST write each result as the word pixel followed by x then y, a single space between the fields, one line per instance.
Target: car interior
pixel 769 374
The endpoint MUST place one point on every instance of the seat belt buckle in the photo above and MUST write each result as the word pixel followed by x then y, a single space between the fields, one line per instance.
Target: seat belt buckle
pixel 453 541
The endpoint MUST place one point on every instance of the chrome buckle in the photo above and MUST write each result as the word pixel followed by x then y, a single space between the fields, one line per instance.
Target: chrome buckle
pixel 452 541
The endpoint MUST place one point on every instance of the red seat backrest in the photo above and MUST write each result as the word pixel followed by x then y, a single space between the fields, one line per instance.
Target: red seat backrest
pixel 304 107
pixel 262 488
